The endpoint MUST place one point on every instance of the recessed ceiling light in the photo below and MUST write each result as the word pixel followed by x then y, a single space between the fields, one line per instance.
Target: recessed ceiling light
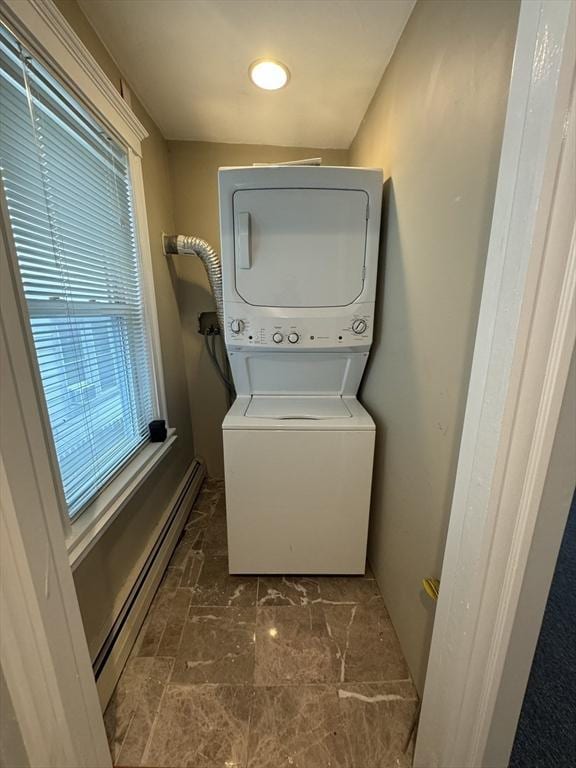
pixel 268 74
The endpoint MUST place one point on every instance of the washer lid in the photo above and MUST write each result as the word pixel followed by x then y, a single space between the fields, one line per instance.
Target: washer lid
pixel 286 408
pixel 352 417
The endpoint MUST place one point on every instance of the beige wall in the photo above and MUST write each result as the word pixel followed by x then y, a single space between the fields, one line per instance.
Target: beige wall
pixel 104 578
pixel 435 127
pixel 12 749
pixel 194 167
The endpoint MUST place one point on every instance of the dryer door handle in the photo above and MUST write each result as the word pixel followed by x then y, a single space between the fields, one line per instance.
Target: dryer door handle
pixel 243 259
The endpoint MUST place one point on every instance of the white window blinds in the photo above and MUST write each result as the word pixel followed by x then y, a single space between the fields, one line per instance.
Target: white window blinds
pixel 67 190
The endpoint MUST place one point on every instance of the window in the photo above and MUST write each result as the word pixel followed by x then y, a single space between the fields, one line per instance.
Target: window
pixel 67 188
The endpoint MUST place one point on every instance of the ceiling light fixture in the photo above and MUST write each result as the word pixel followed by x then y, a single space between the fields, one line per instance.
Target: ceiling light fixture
pixel 269 74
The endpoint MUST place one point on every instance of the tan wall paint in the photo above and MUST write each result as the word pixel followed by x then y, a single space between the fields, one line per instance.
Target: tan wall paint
pixel 435 126
pixel 103 578
pixel 194 167
pixel 12 749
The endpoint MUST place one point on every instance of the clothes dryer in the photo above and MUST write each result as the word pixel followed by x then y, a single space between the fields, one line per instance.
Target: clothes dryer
pixel 299 265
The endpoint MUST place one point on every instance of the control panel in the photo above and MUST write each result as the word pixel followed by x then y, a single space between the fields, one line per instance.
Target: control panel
pixel 254 327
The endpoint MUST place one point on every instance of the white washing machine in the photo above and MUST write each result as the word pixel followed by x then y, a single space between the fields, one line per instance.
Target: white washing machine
pixel 299 262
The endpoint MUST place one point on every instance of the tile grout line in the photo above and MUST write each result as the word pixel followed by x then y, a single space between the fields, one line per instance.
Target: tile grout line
pixel 148 744
pixel 249 727
pixel 187 614
pixel 132 716
pixel 253 686
pixel 258 579
pixel 326 683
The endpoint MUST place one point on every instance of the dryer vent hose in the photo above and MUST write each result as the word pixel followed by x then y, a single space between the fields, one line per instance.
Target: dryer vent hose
pixel 187 245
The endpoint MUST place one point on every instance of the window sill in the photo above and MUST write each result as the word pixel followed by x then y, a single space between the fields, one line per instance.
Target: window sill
pixel 93 522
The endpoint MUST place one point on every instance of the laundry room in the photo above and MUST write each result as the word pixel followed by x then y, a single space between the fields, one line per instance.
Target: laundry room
pixel 246 244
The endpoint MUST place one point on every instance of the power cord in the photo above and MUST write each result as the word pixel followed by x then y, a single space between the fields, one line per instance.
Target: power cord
pixel 210 343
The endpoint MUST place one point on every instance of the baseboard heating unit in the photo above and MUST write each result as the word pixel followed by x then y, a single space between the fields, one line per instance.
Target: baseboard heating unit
pixel 114 652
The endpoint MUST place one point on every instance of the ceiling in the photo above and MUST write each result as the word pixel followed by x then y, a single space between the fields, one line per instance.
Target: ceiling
pixel 187 60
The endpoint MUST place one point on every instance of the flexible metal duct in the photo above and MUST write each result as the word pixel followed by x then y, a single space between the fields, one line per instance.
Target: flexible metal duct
pixel 188 245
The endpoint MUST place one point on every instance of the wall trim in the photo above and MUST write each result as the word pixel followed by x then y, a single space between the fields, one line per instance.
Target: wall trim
pixel 115 650
pixel 24 655
pixel 43 649
pixel 90 526
pixel 45 32
pixel 524 343
pixel 148 285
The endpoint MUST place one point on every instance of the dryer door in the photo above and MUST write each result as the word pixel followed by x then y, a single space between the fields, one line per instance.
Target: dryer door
pixel 300 247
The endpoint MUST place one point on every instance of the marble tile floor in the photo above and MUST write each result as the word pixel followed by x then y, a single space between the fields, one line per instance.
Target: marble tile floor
pixel 269 672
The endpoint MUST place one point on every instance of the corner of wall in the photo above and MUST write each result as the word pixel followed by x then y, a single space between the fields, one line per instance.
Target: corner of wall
pixel 435 126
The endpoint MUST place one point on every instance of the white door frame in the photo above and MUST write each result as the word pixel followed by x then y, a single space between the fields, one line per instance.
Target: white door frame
pixel 43 651
pixel 524 344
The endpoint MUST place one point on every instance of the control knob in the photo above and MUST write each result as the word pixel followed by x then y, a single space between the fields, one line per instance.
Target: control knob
pixel 237 326
pixel 277 338
pixel 359 326
pixel 293 338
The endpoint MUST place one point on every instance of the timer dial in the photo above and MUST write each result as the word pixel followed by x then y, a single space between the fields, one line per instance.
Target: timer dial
pixel 237 326
pixel 359 326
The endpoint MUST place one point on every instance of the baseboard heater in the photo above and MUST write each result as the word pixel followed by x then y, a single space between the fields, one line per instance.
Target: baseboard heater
pixel 116 648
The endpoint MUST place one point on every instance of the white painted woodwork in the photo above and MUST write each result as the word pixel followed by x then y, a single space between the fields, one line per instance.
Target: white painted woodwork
pixel 524 343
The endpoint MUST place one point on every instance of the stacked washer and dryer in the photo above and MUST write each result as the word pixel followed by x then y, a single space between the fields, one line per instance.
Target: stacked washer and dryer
pixel 299 263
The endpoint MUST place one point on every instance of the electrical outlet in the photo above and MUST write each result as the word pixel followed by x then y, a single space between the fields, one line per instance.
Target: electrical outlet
pixel 208 324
